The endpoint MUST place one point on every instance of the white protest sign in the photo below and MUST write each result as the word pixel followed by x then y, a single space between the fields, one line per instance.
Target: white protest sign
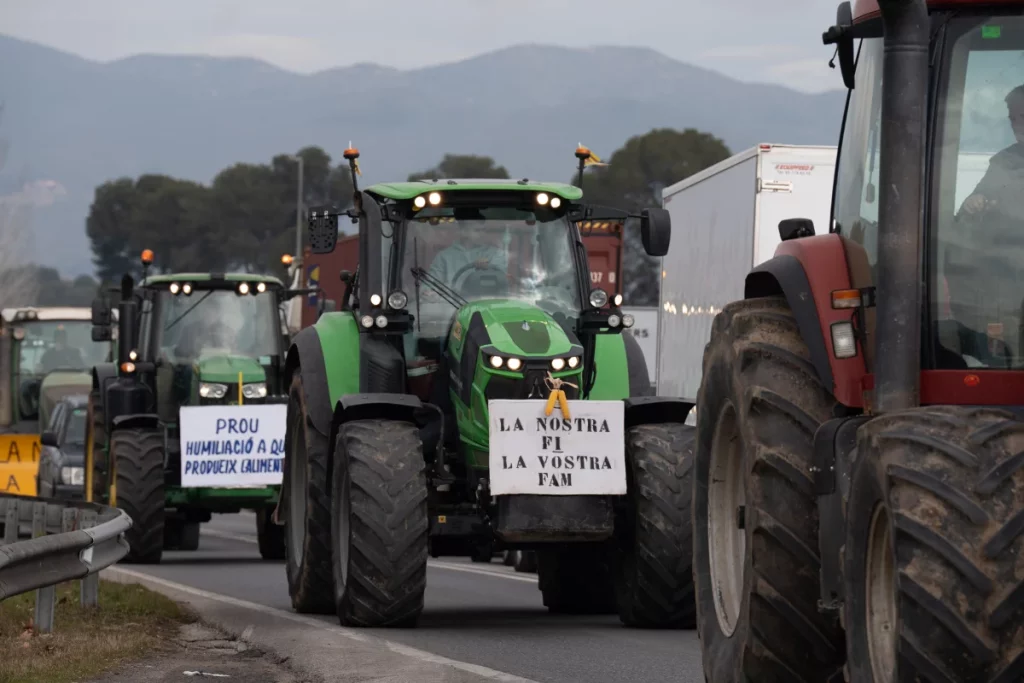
pixel 551 455
pixel 232 446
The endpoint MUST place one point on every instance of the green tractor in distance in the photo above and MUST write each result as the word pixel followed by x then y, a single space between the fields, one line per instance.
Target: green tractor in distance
pixel 45 354
pixel 427 417
pixel 190 419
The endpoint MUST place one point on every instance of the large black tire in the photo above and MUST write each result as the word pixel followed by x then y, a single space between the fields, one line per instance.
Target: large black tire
pixel 96 428
pixel 379 507
pixel 138 456
pixel 525 561
pixel 181 535
pixel 654 532
pixel 576 579
pixel 759 404
pixel 945 483
pixel 508 558
pixel 307 528
pixel 269 536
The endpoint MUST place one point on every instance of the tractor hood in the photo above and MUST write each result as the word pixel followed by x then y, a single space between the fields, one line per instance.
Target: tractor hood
pixel 224 369
pixel 514 328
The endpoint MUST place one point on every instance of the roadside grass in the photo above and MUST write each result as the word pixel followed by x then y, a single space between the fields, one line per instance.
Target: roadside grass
pixel 130 622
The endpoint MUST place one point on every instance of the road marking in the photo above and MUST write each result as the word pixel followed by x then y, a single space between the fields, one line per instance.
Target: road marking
pixel 227 535
pixel 351 634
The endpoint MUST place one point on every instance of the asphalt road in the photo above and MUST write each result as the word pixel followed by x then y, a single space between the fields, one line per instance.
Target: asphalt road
pixel 482 614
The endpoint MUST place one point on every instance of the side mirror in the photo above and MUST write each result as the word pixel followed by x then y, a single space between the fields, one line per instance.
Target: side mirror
pixel 48 439
pixel 323 230
pixel 102 333
pixel 100 312
pixel 655 230
pixel 795 228
pixel 346 276
pixel 840 36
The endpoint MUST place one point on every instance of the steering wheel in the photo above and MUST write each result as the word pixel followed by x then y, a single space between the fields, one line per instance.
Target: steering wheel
pixel 478 271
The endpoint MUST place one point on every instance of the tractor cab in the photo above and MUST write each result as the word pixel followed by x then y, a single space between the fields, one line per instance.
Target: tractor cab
pixel 45 353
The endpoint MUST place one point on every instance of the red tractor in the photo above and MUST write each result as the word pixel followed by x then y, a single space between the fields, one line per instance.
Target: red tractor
pixel 859 478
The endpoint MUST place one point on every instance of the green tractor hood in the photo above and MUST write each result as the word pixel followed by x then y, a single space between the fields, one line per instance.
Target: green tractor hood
pixel 518 329
pixel 224 369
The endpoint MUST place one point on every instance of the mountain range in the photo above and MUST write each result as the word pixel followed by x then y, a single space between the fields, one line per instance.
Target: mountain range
pixel 79 122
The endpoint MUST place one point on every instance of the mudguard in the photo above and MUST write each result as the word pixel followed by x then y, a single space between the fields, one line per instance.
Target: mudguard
pixel 137 421
pixel 102 376
pixel 306 356
pixel 785 275
pixel 646 410
pixel 612 382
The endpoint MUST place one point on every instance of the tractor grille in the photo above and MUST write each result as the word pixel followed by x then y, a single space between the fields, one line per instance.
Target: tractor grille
pixel 519 389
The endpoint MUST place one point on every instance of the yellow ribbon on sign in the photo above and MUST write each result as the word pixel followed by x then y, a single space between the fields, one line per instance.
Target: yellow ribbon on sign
pixel 557 395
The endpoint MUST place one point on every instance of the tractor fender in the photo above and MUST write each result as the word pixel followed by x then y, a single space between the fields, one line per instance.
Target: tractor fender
pixel 306 355
pixel 375 407
pixel 137 421
pixel 646 410
pixel 806 271
pixel 102 375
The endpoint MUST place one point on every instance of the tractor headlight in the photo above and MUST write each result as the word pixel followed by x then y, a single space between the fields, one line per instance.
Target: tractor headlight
pixel 613 320
pixel 254 390
pixel 398 300
pixel 497 361
pixel 375 300
pixel 627 320
pixel 261 287
pixel 187 289
pixel 514 364
pixel 574 361
pixel 618 300
pixel 174 288
pixel 382 321
pixel 598 298
pixel 213 390
pixel 72 476
pixel 557 364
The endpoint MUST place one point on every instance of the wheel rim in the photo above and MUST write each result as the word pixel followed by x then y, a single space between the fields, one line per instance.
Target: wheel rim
pixel 297 485
pixel 726 540
pixel 880 605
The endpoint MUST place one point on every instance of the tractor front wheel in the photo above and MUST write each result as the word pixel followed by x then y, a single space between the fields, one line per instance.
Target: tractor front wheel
pixel 269 536
pixel 755 514
pixel 525 561
pixel 576 579
pixel 654 533
pixel 932 580
pixel 138 456
pixel 379 509
pixel 307 528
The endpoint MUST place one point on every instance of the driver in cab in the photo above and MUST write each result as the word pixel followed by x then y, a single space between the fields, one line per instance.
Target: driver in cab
pixel 61 356
pixel 999 188
pixel 472 250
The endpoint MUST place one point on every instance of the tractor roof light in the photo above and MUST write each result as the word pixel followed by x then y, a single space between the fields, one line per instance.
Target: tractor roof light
pixel 174 287
pixel 542 198
pixel 261 287
pixel 598 298
pixel 187 289
pixel 243 288
pixel 555 202
pixel 286 259
pixel 419 202
pixel 434 198
pixel 147 257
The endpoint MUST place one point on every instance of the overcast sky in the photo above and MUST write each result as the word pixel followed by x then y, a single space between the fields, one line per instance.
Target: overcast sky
pixel 753 40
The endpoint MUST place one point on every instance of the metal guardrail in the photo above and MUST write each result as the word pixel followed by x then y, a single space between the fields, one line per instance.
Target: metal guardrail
pixel 67 540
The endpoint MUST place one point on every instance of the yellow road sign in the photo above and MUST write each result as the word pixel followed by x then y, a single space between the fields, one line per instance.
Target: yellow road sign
pixel 19 463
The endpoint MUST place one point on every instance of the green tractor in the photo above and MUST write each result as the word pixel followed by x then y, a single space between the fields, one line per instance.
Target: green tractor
pixel 472 395
pixel 190 419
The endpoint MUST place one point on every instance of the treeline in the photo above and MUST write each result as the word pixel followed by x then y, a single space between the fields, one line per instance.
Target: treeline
pixel 245 219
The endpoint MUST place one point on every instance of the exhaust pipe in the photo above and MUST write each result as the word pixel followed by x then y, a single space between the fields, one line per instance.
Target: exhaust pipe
pixel 126 323
pixel 900 216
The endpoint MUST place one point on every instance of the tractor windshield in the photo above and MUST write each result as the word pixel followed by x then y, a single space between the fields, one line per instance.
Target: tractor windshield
pixel 493 253
pixel 215 322
pixel 51 345
pixel 975 219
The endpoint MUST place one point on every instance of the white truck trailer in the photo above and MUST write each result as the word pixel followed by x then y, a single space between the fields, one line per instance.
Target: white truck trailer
pixel 725 221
